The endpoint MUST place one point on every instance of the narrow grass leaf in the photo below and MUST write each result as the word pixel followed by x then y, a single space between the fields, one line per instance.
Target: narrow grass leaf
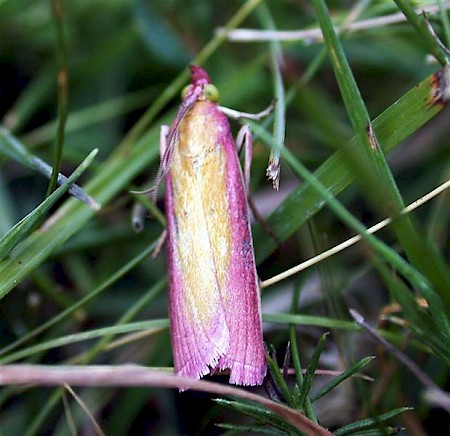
pixel 27 224
pixel 279 126
pixel 259 413
pixel 420 24
pixel 310 371
pixel 368 423
pixel 378 432
pixel 84 336
pixel 63 90
pixel 294 348
pixel 368 162
pixel 234 429
pixel 306 404
pixel 286 318
pixel 431 331
pixel 11 147
pixel 354 369
pixel 89 297
pixel 394 125
pixel 409 272
pixel 280 382
pixel 311 320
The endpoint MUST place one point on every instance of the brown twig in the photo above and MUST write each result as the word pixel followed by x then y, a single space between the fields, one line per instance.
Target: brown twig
pixel 133 375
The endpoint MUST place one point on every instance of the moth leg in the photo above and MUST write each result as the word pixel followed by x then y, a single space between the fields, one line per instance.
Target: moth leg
pixel 138 214
pixel 245 138
pixel 160 243
pixel 139 211
pixel 163 135
pixel 231 113
pixel 162 170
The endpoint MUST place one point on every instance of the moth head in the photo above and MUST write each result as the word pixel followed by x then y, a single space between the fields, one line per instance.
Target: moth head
pixel 210 92
pixel 200 85
pixel 198 74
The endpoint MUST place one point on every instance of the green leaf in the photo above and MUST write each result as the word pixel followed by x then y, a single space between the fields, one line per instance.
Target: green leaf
pixel 421 26
pixel 369 423
pixel 84 336
pixel 310 371
pixel 11 147
pixel 241 429
pixel 280 382
pixel 23 228
pixel 92 295
pixel 354 369
pixel 279 125
pixel 394 125
pixel 259 413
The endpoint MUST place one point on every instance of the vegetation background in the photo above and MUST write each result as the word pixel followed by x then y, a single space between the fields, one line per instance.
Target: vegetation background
pixel 78 286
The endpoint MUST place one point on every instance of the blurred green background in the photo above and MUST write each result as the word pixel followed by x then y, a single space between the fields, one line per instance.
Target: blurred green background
pixel 126 56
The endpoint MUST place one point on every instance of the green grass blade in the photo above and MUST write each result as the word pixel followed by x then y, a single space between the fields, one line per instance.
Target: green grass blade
pixel 370 422
pixel 11 147
pixel 26 225
pixel 92 295
pixel 84 336
pixel 394 125
pixel 279 126
pixel 309 411
pixel 110 179
pixel 259 413
pixel 310 372
pixel 234 429
pixel 280 382
pixel 374 175
pixel 421 27
pixel 319 321
pixel 63 79
pixel 354 369
pixel 380 247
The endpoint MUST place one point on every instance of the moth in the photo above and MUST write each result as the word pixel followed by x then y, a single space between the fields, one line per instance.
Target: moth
pixel 214 297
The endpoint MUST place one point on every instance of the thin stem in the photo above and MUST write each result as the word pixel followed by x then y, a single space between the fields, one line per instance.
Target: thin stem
pixel 349 242
pixel 134 375
pixel 401 357
pixel 315 35
pixel 63 77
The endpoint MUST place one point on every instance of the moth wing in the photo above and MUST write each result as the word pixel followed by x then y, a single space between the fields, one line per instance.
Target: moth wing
pixel 200 334
pixel 246 355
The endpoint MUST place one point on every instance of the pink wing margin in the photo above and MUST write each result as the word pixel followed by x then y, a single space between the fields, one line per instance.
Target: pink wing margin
pixel 246 355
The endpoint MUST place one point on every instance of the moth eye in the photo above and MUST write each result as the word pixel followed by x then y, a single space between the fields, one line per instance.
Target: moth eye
pixel 211 92
pixel 185 90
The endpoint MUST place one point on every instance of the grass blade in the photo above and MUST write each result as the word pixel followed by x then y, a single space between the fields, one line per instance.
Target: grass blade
pixel 355 368
pixel 26 225
pixel 366 424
